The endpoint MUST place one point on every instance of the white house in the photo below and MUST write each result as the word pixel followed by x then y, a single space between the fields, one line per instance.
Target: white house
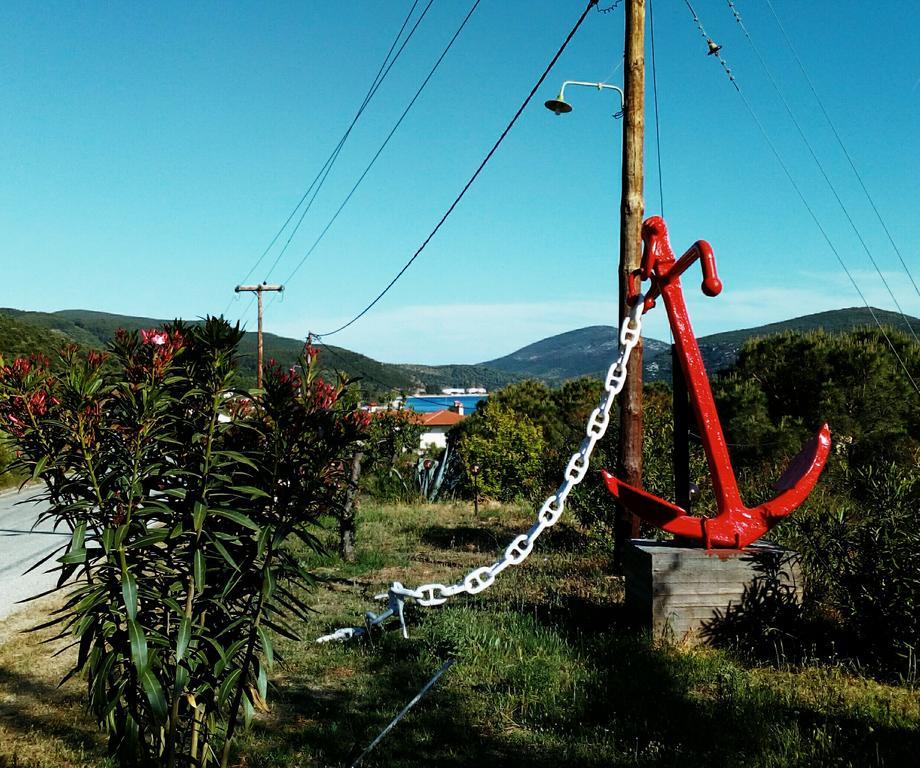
pixel 436 424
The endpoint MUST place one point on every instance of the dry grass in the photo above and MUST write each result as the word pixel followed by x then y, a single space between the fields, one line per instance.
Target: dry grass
pixel 41 725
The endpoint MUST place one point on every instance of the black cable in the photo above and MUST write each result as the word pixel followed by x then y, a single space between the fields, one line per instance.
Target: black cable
pixel 801 195
pixel 651 18
pixel 338 149
pixel 386 141
pixel 814 156
pixel 382 72
pixel 453 205
pixel 843 147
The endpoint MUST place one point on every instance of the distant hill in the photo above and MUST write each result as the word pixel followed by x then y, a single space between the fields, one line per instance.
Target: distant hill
pixel 584 352
pixel 589 351
pixel 23 331
pixel 21 339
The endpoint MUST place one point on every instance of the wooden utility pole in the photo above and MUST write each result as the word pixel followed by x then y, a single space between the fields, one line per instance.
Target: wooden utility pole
pixel 259 290
pixel 632 209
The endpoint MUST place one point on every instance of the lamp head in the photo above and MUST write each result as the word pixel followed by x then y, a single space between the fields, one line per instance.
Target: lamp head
pixel 558 105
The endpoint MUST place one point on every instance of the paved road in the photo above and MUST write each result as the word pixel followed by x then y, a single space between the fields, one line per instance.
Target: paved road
pixel 21 547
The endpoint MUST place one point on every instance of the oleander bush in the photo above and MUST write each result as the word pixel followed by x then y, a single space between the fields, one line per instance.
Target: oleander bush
pixel 179 492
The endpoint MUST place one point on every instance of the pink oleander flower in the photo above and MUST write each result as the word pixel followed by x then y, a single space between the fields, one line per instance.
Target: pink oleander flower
pixel 154 336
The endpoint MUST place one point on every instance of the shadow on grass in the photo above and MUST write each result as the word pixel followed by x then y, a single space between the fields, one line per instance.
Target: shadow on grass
pixel 491 536
pixel 681 709
pixel 633 702
pixel 38 710
pixel 333 728
pixel 471 539
pixel 647 706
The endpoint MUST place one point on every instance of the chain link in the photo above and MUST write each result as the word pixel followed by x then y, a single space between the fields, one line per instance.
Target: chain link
pixel 520 548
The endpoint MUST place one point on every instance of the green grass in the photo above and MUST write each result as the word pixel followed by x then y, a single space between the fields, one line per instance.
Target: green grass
pixel 546 674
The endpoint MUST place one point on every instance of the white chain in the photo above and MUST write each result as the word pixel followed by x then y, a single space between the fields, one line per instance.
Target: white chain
pixel 521 546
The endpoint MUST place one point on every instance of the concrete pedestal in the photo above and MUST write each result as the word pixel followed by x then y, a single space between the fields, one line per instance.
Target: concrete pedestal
pixel 676 590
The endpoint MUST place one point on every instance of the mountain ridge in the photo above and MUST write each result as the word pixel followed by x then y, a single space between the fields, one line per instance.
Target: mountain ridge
pixel 589 351
pixel 581 352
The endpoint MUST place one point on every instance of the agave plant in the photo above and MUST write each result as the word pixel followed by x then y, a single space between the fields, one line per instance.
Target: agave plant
pixel 431 474
pixel 179 492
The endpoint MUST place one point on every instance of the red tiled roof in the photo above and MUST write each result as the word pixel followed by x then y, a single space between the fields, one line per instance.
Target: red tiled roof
pixel 443 418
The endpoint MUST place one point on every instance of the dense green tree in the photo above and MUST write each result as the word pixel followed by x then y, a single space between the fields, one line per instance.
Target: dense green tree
pixel 508 448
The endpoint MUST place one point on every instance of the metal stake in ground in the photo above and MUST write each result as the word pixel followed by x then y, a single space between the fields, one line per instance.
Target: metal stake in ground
pixel 259 290
pixel 418 697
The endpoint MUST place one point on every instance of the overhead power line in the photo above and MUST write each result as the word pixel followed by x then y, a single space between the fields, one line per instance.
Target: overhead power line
pixel 385 66
pixel 814 156
pixel 472 178
pixel 338 149
pixel 715 50
pixel 446 401
pixel 386 141
pixel 846 153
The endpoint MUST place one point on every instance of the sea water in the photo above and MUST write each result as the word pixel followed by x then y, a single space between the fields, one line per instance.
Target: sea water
pixel 429 403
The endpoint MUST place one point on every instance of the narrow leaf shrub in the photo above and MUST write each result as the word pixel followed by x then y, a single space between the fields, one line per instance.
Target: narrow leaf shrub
pixel 179 493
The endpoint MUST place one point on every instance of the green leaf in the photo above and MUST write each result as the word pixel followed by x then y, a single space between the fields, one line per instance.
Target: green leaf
pixel 268 584
pixel 39 466
pixel 129 593
pixel 250 491
pixel 183 637
pixel 247 711
pixel 154 536
pixel 262 682
pixel 200 570
pixel 138 645
pixel 227 685
pixel 237 517
pixel 73 557
pixel 226 555
pixel 236 456
pixel 79 536
pixel 181 681
pixel 199 515
pixel 267 648
pixel 262 540
pixel 154 692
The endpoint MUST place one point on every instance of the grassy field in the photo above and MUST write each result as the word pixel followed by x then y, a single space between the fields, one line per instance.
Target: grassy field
pixel 546 674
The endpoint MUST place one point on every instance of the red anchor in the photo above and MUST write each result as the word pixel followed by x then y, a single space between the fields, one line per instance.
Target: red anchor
pixel 734 525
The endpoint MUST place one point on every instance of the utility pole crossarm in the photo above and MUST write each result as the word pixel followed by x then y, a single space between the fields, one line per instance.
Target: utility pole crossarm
pixel 258 290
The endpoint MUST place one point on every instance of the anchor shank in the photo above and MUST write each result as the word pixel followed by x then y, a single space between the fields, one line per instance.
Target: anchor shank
pixel 704 406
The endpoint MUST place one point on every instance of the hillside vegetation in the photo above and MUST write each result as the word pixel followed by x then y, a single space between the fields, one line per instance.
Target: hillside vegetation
pixel 589 351
pixel 23 339
pixel 45 331
pixel 554 360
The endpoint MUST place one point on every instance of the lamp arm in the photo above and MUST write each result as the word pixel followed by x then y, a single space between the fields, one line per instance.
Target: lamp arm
pixel 599 86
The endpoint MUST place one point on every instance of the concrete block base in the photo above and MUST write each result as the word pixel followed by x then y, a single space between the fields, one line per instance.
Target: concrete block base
pixel 675 590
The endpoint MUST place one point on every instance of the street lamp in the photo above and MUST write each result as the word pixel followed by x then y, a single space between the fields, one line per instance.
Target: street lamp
pixel 629 449
pixel 560 106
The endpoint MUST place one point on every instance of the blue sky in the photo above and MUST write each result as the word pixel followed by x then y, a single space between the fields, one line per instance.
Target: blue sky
pixel 149 152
